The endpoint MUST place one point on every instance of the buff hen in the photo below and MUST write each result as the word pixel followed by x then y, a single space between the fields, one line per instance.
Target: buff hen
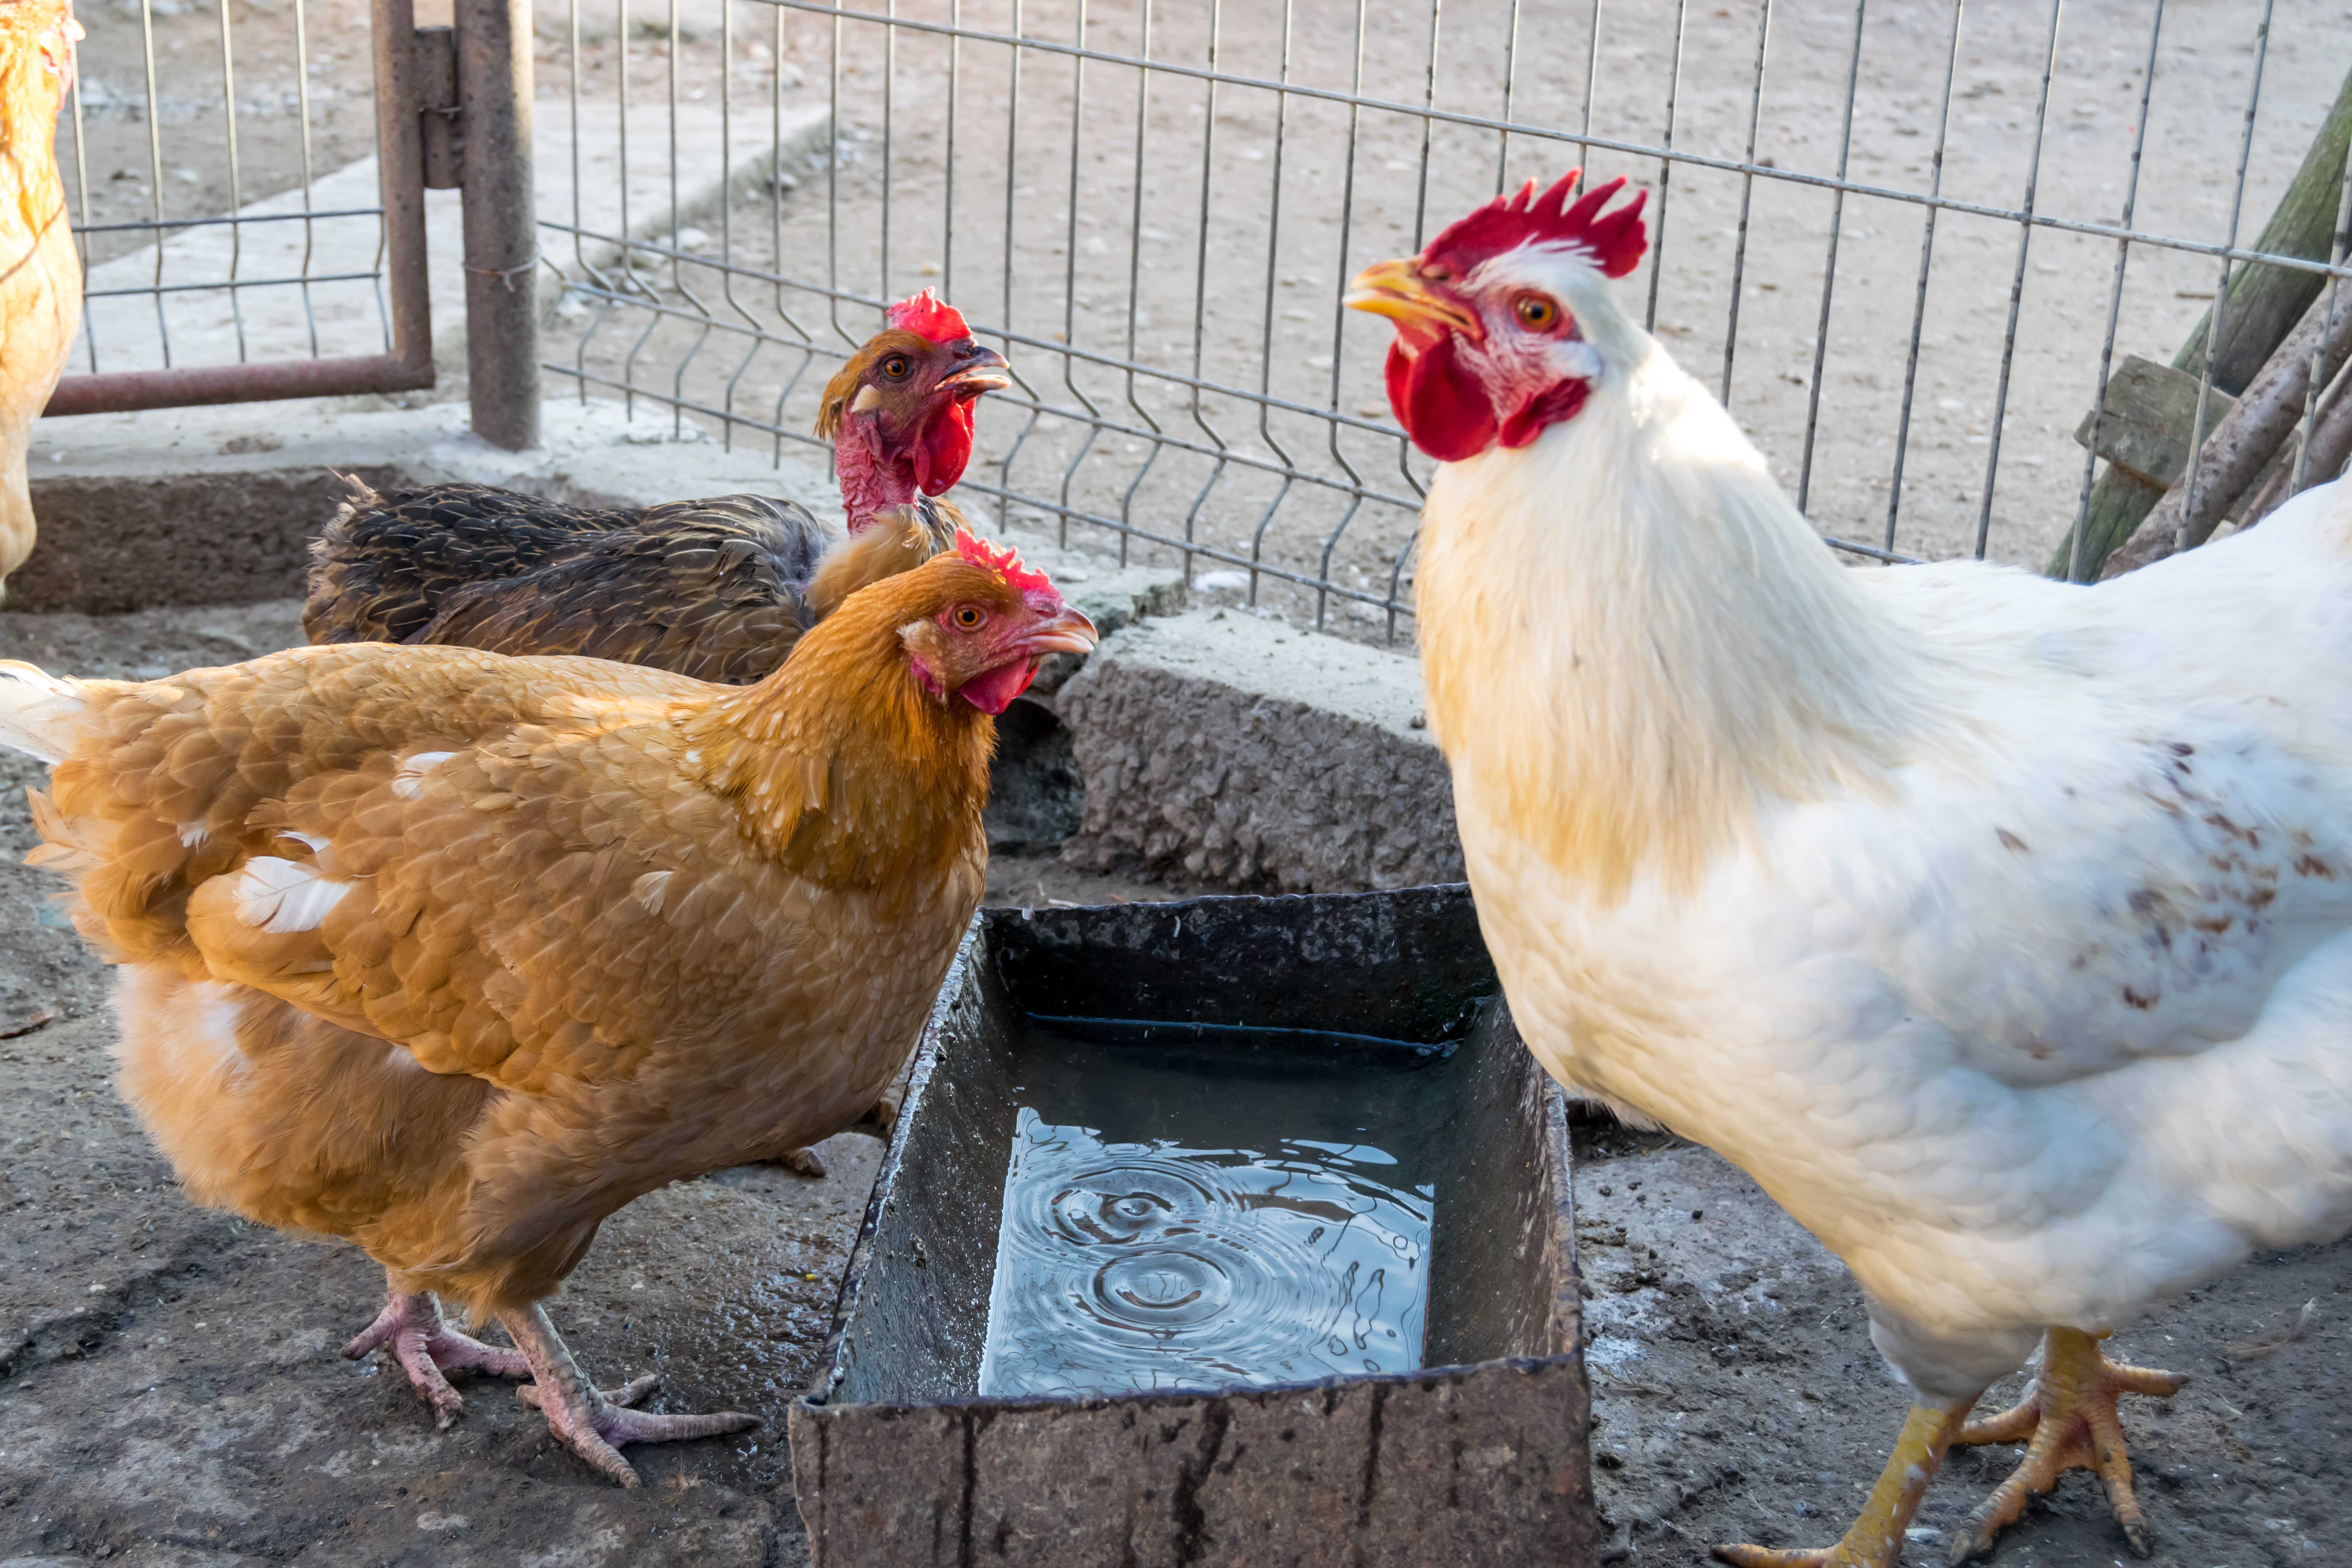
pixel 452 954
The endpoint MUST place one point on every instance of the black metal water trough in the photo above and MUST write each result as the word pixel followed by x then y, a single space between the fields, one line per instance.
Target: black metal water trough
pixel 1478 1457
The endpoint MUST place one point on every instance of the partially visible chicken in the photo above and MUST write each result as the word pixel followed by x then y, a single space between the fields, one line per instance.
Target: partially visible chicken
pixel 2006 945
pixel 40 276
pixel 452 954
pixel 715 589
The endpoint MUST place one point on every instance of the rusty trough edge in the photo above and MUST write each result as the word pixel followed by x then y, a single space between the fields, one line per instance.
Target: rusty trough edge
pixel 811 1416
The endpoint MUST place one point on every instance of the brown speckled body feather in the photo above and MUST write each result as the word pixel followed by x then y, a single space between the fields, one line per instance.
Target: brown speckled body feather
pixel 576 929
pixel 717 589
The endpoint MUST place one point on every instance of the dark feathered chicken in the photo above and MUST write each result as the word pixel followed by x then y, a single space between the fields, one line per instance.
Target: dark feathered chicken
pixel 717 589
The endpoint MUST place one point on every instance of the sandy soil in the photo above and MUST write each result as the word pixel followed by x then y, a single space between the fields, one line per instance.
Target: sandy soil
pixel 1194 238
pixel 170 1397
pixel 186 170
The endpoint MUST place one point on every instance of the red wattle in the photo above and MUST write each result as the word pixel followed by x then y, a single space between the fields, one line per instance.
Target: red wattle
pixel 995 691
pixel 1555 403
pixel 945 448
pixel 1441 406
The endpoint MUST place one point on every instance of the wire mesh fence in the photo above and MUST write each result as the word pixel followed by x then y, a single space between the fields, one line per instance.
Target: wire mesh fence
pixel 1908 244
pixel 220 163
pixel 1903 242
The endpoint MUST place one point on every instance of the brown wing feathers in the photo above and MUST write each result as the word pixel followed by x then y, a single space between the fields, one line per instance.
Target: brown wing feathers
pixel 709 588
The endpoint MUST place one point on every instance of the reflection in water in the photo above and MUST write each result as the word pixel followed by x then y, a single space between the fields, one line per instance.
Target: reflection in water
pixel 1124 1267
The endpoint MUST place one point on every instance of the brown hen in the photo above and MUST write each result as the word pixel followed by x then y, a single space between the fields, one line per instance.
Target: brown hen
pixel 452 954
pixel 40 276
pixel 717 589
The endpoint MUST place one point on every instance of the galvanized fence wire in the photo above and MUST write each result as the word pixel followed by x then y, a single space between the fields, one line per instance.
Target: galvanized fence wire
pixel 198 177
pixel 1186 378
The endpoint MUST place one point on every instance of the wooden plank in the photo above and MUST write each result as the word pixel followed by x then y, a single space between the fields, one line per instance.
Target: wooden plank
pixel 2149 419
pixel 2265 303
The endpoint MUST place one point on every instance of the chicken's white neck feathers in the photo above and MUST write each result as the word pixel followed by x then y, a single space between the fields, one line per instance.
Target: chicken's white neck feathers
pixel 1702 650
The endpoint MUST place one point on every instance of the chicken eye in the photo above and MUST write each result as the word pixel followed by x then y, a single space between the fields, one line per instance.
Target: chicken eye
pixel 970 617
pixel 1535 311
pixel 896 367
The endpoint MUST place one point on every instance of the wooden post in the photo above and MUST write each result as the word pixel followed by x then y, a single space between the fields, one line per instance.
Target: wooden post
pixel 2264 304
pixel 501 221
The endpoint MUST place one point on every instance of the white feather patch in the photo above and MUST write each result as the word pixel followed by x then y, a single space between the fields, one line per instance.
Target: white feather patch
pixel 648 888
pixel 193 835
pixel 282 896
pixel 409 782
pixel 215 1030
pixel 37 711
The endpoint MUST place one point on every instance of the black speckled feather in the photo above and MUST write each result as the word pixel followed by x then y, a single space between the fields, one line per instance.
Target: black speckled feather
pixel 715 589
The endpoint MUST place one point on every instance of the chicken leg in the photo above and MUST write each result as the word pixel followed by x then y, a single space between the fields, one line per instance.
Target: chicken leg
pixel 594 1422
pixel 1874 1540
pixel 426 1347
pixel 2068 1420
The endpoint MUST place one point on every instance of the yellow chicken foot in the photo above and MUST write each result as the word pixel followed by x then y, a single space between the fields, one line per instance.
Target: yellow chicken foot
pixel 2069 1415
pixel 426 1347
pixel 1874 1540
pixel 594 1424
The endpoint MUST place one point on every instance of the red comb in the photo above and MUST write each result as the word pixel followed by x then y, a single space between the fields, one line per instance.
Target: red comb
pixel 929 314
pixel 1614 240
pixel 1004 562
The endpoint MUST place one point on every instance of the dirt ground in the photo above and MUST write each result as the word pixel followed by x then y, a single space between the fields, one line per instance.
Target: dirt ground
pixel 170 1395
pixel 169 1392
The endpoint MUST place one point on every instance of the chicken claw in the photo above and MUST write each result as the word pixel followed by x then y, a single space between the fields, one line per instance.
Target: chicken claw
pixel 426 1347
pixel 1874 1540
pixel 2068 1420
pixel 594 1422
pixel 801 1162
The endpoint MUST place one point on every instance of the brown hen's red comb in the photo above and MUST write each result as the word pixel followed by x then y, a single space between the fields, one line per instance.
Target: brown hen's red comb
pixel 932 316
pixel 1004 560
pixel 1614 240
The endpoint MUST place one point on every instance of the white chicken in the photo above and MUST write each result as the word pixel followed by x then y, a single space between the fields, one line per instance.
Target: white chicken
pixel 1996 926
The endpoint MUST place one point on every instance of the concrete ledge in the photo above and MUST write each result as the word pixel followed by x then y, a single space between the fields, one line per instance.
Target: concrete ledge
pixel 212 506
pixel 1227 750
pixel 218 505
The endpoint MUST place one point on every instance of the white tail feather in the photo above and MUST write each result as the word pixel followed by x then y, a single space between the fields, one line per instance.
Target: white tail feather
pixel 286 896
pixel 37 711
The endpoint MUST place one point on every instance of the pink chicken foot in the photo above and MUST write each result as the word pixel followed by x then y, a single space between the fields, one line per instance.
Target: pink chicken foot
pixel 426 1348
pixel 594 1422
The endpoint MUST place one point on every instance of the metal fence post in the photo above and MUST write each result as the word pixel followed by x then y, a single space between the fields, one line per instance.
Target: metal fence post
pixel 494 89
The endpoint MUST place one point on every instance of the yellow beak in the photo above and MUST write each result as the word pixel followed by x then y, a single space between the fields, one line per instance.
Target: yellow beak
pixel 1069 632
pixel 1398 290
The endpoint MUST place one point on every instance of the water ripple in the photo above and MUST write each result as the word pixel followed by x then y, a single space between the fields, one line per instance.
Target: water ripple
pixel 1124 1267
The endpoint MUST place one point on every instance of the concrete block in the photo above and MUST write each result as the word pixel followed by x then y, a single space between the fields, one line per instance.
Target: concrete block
pixel 1222 750
pixel 198 506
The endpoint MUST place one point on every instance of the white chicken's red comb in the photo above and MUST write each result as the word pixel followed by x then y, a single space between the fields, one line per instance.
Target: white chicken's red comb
pixel 1614 240
pixel 1004 560
pixel 932 316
